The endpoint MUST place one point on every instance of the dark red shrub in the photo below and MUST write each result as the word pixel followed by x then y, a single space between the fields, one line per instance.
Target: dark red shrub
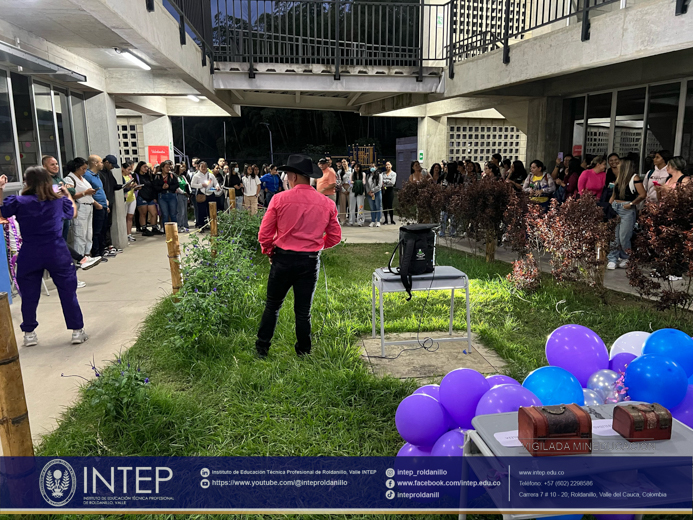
pixel 421 201
pixel 525 275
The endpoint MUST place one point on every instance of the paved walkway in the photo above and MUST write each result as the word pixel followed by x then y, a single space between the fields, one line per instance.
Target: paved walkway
pixel 118 296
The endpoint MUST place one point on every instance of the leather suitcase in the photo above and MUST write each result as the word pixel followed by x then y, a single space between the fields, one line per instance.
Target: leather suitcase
pixel 642 422
pixel 555 430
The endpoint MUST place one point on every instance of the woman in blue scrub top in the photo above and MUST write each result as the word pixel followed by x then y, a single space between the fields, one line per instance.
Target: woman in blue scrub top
pixel 40 212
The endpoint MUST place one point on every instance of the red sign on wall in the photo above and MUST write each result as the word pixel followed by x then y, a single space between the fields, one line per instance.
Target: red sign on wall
pixel 577 150
pixel 158 154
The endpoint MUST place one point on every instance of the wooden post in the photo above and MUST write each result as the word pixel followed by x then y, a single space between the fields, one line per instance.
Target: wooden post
pixel 213 230
pixel 173 255
pixel 602 252
pixel 15 433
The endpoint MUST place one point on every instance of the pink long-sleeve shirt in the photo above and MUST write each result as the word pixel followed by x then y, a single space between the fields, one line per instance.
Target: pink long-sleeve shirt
pixel 300 219
pixel 592 181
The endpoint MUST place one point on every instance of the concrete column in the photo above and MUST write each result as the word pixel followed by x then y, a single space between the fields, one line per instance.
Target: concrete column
pixel 544 119
pixel 102 128
pixel 158 132
pixel 433 140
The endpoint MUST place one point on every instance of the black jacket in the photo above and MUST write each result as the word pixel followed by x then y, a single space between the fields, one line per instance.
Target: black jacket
pixel 110 185
pixel 148 191
pixel 172 182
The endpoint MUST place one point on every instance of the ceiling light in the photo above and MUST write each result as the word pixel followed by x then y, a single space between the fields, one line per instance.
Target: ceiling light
pixel 132 58
pixel 193 98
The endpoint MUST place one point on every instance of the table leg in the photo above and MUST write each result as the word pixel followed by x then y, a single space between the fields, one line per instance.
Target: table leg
pixel 452 309
pixel 382 324
pixel 373 307
pixel 469 320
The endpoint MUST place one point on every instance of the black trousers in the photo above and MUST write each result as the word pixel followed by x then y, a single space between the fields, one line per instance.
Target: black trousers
pixel 97 238
pixel 288 270
pixel 388 200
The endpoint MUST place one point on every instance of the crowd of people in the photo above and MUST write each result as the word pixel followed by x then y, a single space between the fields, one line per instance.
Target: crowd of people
pixel 614 181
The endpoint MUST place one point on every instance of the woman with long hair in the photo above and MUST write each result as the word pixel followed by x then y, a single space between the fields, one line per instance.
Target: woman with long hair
pixel 451 178
pixel 251 189
pixel 389 183
pixel 675 168
pixel 571 177
pixel 145 197
pixel 167 185
pixel 627 193
pixel 40 212
pixel 343 178
pixel 130 200
pixel 357 195
pixel 436 172
pixel 594 178
pixel 417 173
pixel 206 185
pixel 516 175
pixel 374 186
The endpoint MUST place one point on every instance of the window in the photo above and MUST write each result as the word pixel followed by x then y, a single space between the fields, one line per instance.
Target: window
pixel 62 116
pixel 630 113
pixel 24 116
pixel 79 122
pixel 687 141
pixel 44 115
pixel 8 153
pixel 662 116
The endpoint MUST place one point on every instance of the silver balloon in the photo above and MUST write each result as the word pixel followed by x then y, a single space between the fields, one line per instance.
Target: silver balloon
pixel 592 397
pixel 602 382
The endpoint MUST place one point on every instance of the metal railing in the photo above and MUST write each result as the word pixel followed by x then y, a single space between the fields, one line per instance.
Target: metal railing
pixel 329 32
pixel 398 33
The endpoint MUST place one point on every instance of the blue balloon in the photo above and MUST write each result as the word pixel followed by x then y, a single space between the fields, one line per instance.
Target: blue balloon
pixel 554 385
pixel 656 379
pixel 673 344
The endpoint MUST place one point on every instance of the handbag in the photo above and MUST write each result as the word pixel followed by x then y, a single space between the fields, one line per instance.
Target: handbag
pixel 199 196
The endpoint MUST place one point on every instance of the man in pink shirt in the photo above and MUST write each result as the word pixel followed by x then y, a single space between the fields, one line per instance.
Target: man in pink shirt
pixel 298 224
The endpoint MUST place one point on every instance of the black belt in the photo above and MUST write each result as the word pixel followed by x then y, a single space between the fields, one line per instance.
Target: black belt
pixel 307 254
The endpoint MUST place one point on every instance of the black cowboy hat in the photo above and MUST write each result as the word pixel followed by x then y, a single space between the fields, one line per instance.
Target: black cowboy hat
pixel 302 165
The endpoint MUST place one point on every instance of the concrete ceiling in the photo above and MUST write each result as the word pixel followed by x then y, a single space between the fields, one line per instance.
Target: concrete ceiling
pixel 65 24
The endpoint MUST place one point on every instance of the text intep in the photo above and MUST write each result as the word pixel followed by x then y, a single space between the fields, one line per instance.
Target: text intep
pixel 139 476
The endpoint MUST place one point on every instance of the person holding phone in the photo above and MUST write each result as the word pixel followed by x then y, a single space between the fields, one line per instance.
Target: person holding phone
pixel 206 185
pixel 40 212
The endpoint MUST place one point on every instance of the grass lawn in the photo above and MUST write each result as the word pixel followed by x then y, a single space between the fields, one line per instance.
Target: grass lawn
pixel 217 399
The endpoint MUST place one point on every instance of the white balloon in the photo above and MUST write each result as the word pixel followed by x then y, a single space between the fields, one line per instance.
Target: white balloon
pixel 632 342
pixel 602 383
pixel 592 397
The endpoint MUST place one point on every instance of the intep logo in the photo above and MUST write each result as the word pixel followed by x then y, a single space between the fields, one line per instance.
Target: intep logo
pixel 58 482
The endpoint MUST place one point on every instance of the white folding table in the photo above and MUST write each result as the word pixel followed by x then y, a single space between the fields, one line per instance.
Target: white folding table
pixel 443 278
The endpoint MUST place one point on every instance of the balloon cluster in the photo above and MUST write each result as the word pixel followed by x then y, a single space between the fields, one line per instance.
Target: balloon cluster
pixel 641 366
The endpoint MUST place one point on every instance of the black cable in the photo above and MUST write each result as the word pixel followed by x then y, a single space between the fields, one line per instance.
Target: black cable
pixel 428 342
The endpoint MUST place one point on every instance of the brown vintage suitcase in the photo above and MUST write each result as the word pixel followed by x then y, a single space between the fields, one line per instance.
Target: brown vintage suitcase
pixel 555 430
pixel 642 422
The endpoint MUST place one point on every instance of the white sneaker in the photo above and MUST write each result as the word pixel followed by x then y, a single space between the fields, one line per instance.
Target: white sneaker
pixel 377 224
pixel 81 284
pixel 360 224
pixel 79 336
pixel 89 262
pixel 30 339
pixel 131 238
pixel 623 264
pixel 372 224
pixel 674 278
pixel 611 266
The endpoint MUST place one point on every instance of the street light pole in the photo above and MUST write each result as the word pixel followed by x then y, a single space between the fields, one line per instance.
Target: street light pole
pixel 271 148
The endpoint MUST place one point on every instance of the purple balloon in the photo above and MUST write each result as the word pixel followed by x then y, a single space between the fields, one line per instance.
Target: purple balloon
pixel 501 380
pixel 506 398
pixel 420 420
pixel 409 450
pixel 578 350
pixel 684 410
pixel 620 361
pixel 460 392
pixel 450 444
pixel 432 390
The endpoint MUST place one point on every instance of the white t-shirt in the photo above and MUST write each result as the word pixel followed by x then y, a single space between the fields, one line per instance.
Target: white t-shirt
pixel 250 184
pixel 659 176
pixel 79 185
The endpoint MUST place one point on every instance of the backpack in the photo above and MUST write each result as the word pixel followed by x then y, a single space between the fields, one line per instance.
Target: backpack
pixel 417 246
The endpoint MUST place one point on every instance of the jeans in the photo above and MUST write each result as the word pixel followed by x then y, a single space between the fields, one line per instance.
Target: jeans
pixel 82 229
pixel 376 205
pixel 182 209
pixel 268 198
pixel 239 202
pixel 624 232
pixel 168 202
pixel 444 224
pixel 299 271
pixel 98 238
pixel 356 208
pixel 388 200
